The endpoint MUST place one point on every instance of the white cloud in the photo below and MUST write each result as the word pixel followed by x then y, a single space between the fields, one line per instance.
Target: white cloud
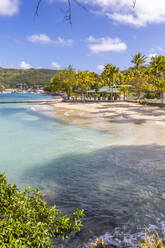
pixel 144 12
pixel 126 18
pixel 9 7
pixel 64 42
pixel 55 65
pixel 100 67
pixel 106 44
pixel 45 39
pixel 91 39
pixel 24 65
pixel 39 38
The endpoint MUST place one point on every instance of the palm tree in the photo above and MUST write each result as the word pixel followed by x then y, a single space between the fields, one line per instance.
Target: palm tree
pixel 85 80
pixel 139 60
pixel 124 79
pixel 110 76
pixel 139 81
pixel 158 65
pixel 157 76
pixel 161 88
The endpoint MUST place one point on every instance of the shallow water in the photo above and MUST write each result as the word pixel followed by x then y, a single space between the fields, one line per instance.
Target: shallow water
pixel 23 97
pixel 118 177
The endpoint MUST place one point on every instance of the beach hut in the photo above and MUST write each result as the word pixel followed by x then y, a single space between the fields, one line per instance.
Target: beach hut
pixel 104 92
pixel 110 91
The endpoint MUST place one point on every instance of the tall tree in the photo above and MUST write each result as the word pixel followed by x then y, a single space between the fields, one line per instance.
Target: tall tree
pixel 157 74
pixel 139 75
pixel 86 80
pixel 110 76
pixel 139 82
pixel 64 81
pixel 138 60
pixel 124 79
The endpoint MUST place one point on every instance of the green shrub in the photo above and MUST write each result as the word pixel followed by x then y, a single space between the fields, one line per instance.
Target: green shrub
pixel 47 88
pixel 96 95
pixel 26 220
pixel 107 95
pixel 152 95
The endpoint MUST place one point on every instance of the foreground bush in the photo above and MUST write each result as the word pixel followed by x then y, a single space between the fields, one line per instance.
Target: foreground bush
pixel 28 221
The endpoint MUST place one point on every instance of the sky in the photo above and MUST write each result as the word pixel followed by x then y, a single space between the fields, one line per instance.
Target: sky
pixel 108 31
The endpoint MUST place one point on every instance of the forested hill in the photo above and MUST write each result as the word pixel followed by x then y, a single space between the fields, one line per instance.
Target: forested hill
pixel 12 78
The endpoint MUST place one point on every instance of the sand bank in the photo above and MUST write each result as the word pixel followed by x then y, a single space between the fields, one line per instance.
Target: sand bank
pixel 112 112
pixel 132 119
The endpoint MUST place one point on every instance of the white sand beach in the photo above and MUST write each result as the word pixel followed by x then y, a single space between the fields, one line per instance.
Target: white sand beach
pixel 146 122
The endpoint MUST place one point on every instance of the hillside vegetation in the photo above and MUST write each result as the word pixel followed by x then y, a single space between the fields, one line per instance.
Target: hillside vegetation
pixel 13 78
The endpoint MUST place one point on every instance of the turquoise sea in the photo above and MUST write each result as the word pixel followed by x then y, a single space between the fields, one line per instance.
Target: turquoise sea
pixel 120 185
pixel 23 97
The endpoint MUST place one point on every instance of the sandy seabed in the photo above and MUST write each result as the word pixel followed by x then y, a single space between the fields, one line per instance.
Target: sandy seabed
pixel 141 124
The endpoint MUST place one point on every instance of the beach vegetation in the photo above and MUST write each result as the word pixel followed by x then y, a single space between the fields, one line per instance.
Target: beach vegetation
pixel 96 96
pixel 124 80
pixel 64 81
pixel 157 74
pixel 138 60
pixel 86 80
pixel 110 76
pixel 140 81
pixel 26 220
pixel 47 88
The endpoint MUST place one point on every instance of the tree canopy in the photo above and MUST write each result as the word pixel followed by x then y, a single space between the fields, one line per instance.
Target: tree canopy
pixel 26 220
pixel 141 79
pixel 64 81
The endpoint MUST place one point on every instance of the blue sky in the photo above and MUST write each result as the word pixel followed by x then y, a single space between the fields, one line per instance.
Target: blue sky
pixel 109 32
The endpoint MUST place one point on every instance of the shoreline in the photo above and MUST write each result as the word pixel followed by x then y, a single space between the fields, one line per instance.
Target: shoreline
pixel 117 111
pixel 144 123
pixel 101 109
pixel 131 123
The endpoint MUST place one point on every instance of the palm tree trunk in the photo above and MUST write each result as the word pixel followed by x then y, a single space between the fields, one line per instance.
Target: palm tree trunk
pixel 112 89
pixel 68 95
pixel 162 97
pixel 112 94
